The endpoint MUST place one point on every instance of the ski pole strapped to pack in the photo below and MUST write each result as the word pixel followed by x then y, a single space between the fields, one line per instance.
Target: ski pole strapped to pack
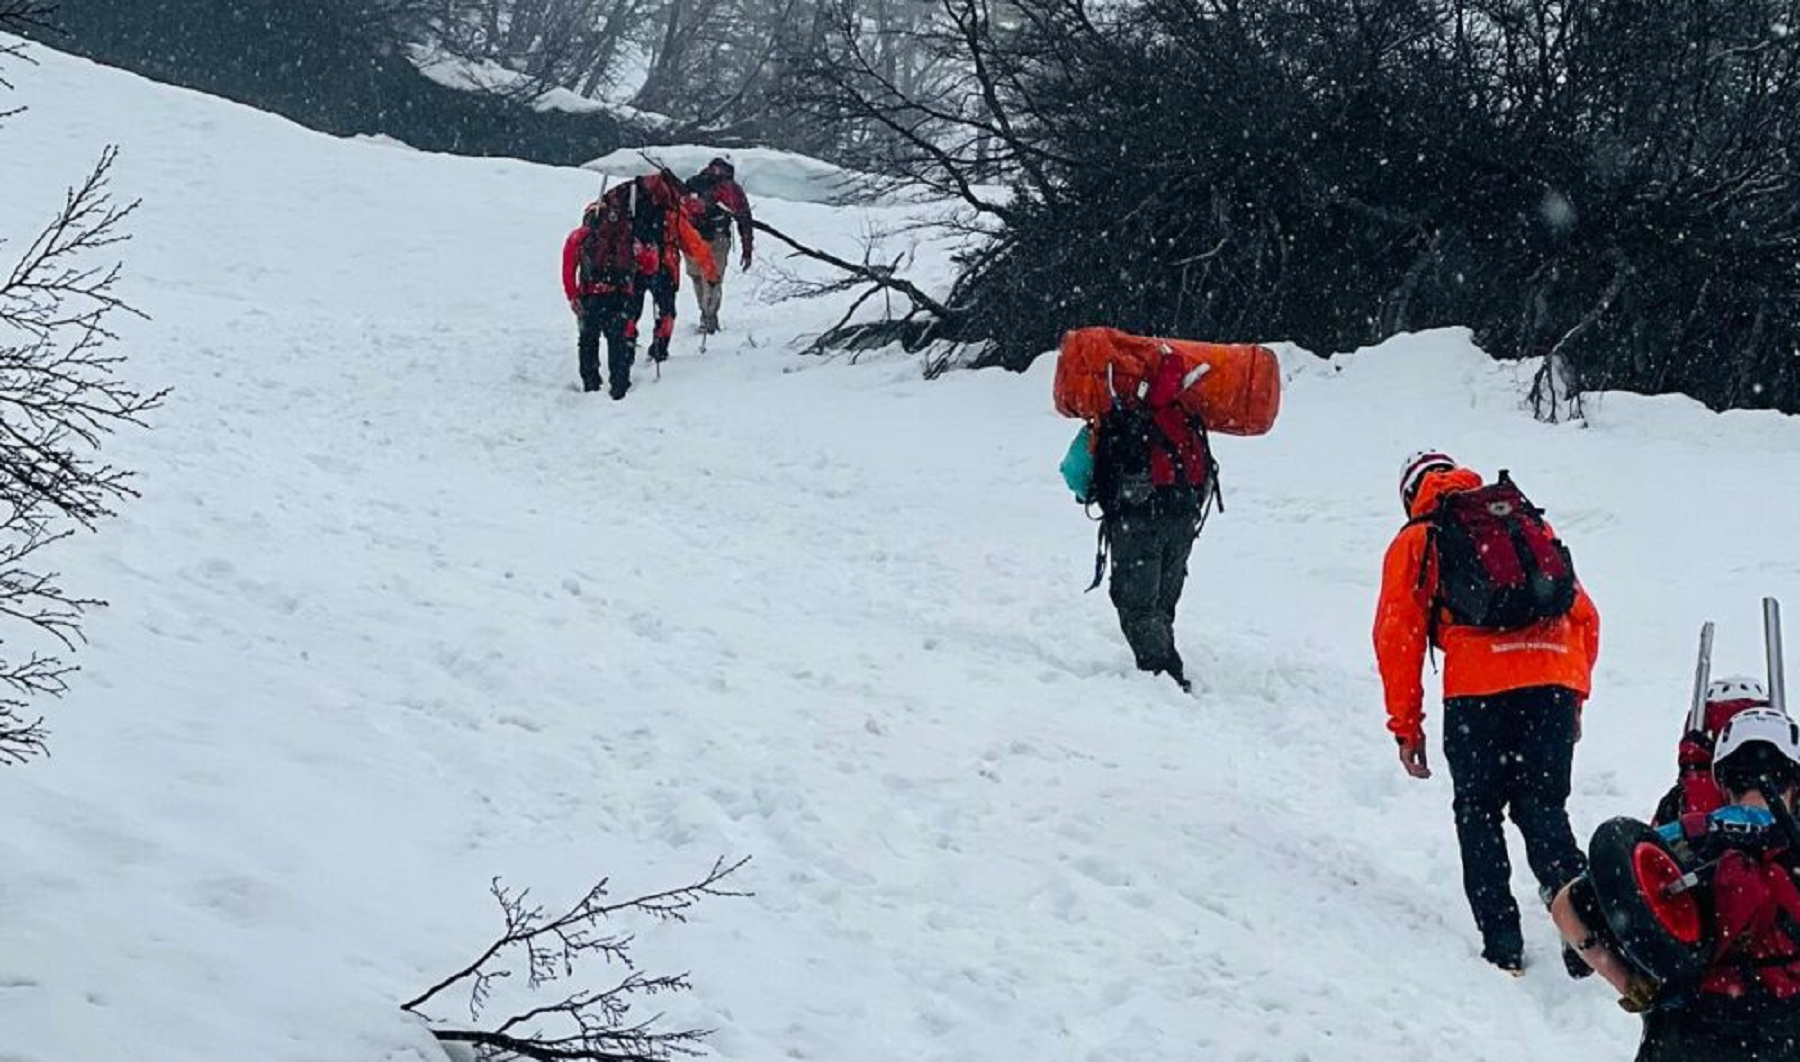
pixel 1235 389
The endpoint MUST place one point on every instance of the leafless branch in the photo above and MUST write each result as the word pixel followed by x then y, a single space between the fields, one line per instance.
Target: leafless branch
pixel 60 397
pixel 592 1024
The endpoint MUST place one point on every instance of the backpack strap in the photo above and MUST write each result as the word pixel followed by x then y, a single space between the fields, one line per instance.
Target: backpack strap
pixel 1427 557
pixel 1214 494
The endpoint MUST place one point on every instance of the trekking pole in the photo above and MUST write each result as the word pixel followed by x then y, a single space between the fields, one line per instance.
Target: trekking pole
pixel 1772 652
pixel 1702 679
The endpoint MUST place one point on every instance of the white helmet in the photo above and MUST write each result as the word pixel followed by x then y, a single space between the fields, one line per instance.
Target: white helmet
pixel 1413 471
pixel 1736 688
pixel 1757 727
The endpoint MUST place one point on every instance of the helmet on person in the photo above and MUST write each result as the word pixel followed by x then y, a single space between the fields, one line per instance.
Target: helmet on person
pixel 1757 743
pixel 1412 472
pixel 1737 688
pixel 722 166
pixel 1726 697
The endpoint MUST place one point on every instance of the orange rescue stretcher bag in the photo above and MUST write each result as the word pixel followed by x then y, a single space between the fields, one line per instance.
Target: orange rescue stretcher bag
pixel 1234 388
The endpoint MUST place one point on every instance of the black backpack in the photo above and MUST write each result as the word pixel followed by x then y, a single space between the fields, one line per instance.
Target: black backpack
pixel 638 205
pixel 1123 476
pixel 1499 566
pixel 1122 461
pixel 1123 481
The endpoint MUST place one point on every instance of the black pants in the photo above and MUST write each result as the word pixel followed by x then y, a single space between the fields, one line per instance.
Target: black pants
pixel 1512 752
pixel 604 315
pixel 1692 1035
pixel 1149 569
pixel 660 286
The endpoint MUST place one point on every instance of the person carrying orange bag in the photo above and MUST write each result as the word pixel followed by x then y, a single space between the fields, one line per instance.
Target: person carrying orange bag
pixel 1478 574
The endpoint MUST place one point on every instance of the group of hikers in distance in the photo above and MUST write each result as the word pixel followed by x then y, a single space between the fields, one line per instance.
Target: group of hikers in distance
pixel 631 244
pixel 1694 916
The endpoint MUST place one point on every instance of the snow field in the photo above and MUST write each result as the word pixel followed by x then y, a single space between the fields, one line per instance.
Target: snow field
pixel 400 610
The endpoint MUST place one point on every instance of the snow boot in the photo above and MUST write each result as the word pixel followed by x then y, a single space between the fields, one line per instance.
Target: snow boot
pixel 1506 954
pixel 1174 670
pixel 1575 964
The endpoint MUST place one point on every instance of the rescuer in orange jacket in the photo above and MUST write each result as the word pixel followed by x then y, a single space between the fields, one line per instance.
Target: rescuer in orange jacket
pixel 1512 712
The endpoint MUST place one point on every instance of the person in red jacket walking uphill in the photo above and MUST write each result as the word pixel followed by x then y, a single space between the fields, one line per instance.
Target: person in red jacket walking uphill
pixel 1479 575
pixel 663 216
pixel 723 204
pixel 599 261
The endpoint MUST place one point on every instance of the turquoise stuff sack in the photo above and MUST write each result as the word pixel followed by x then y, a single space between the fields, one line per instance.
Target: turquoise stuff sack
pixel 1078 465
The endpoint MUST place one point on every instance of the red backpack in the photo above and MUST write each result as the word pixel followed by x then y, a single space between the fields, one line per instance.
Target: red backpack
pixel 1148 443
pixel 608 249
pixel 1499 566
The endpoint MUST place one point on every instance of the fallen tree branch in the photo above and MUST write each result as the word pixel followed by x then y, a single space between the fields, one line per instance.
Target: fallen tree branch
pixel 877 275
pixel 587 1024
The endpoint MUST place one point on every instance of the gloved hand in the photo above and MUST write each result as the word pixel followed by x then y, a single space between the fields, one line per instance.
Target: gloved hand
pixel 1412 756
pixel 745 261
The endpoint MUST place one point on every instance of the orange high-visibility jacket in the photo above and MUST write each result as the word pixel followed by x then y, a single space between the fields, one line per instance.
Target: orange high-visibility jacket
pixel 684 238
pixel 1558 652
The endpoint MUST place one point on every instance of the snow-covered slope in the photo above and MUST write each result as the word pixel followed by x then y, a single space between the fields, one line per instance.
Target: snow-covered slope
pixel 399 611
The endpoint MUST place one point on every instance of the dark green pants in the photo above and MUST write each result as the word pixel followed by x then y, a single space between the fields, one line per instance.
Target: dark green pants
pixel 1149 568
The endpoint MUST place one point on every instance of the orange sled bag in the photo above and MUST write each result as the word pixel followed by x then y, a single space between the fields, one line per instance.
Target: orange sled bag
pixel 1236 388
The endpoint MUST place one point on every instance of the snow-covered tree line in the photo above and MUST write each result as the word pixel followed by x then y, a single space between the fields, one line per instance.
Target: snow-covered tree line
pixel 1610 184
pixel 719 67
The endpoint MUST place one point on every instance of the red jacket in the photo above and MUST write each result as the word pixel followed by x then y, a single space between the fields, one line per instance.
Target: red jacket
pixel 730 195
pixel 1558 652
pixel 1752 897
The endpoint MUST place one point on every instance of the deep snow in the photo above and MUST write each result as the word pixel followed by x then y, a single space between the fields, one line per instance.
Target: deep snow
pixel 399 610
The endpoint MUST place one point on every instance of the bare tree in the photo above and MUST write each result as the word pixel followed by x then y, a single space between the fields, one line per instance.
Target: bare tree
pixel 585 1023
pixel 543 44
pixel 60 397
